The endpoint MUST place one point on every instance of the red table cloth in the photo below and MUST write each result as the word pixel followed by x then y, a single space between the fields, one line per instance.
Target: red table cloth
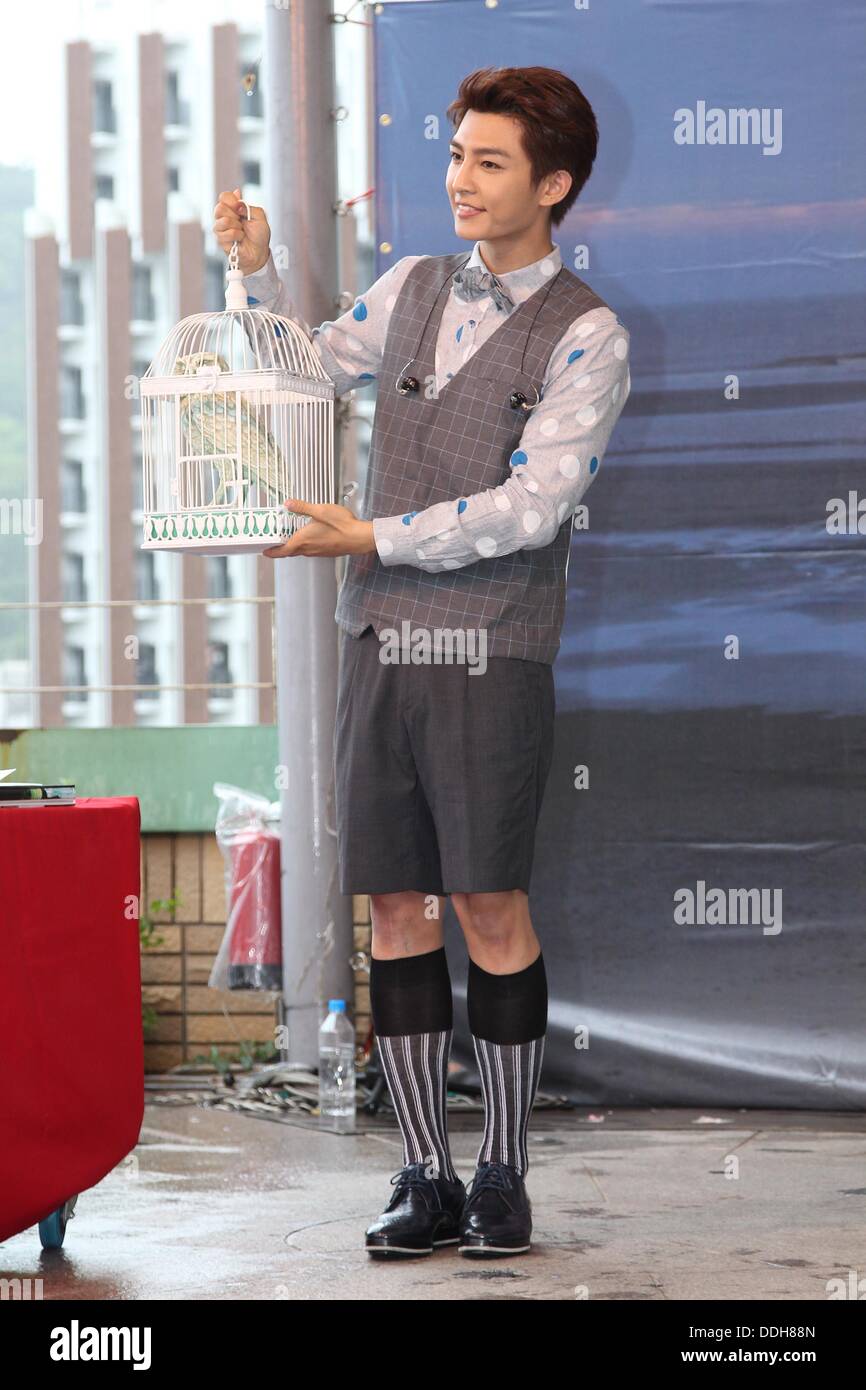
pixel 71 1047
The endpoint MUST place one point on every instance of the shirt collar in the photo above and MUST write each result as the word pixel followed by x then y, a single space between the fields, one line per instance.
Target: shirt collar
pixel 524 281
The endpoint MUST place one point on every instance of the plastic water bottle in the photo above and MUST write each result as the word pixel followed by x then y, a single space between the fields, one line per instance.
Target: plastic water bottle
pixel 337 1071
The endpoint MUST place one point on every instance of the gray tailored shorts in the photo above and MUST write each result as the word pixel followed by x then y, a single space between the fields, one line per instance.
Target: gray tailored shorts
pixel 440 771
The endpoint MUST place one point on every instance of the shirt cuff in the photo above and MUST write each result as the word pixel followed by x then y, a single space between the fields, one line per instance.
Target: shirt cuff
pixel 394 544
pixel 263 285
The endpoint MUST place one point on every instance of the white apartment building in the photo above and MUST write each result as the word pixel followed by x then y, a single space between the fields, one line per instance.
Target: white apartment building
pixel 147 130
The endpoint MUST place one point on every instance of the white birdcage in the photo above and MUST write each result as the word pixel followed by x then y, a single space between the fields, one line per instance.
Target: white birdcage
pixel 237 415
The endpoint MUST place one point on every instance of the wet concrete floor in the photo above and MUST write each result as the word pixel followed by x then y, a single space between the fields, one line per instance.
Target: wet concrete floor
pixel 214 1204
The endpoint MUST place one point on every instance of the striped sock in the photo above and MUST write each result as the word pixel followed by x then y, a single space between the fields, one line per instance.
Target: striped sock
pixel 508 1021
pixel 416 1066
pixel 411 1006
pixel 509 1079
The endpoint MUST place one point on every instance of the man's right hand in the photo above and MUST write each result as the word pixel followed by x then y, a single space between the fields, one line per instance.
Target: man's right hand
pixel 252 235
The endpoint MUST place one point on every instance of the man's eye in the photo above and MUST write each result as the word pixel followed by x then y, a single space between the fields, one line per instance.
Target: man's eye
pixel 489 163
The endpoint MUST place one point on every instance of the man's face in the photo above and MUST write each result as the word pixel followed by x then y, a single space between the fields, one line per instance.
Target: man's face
pixel 488 170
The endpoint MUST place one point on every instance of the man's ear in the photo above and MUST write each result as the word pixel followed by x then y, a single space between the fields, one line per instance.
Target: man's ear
pixel 558 186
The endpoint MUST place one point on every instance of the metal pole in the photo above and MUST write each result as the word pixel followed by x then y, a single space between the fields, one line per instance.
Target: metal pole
pixel 301 178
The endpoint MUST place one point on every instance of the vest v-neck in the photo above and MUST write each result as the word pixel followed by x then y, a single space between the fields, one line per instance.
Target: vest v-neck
pixel 428 357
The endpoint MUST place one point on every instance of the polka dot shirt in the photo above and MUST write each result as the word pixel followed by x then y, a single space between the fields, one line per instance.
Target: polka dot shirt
pixel 562 446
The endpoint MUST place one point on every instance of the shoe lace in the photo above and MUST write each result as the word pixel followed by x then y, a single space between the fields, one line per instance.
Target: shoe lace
pixel 490 1176
pixel 412 1175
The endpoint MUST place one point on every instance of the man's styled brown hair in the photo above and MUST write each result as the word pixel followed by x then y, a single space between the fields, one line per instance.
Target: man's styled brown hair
pixel 559 129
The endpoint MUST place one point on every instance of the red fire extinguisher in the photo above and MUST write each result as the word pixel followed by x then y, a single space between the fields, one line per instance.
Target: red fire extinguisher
pixel 255 913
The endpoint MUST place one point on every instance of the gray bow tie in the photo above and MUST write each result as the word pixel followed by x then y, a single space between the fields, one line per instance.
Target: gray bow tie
pixel 474 281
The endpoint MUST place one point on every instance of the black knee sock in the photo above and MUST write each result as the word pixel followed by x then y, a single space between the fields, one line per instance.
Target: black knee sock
pixel 508 1021
pixel 412 1010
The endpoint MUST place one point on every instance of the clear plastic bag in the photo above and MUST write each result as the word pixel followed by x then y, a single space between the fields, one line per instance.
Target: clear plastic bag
pixel 248 834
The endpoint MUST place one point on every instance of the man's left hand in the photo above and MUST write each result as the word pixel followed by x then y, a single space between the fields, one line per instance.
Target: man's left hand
pixel 332 530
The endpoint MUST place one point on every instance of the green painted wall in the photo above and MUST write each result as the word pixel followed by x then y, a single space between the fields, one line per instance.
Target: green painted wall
pixel 171 771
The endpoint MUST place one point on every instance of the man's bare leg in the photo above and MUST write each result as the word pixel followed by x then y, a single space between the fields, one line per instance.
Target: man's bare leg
pixel 405 924
pixel 498 929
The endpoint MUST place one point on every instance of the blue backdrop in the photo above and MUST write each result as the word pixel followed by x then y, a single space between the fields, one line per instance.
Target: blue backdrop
pixel 711 677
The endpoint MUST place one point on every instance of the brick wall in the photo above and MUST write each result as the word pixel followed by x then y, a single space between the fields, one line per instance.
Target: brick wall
pixel 190 1017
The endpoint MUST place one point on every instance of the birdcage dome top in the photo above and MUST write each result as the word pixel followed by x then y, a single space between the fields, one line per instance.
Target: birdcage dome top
pixel 236 342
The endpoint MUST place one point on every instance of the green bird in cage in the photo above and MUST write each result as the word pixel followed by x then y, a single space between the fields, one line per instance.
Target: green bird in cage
pixel 209 423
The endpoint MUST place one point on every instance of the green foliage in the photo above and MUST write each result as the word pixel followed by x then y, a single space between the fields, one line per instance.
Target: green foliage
pixel 250 1054
pixel 146 930
pixel 146 925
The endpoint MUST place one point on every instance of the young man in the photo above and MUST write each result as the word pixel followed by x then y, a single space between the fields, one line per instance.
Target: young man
pixel 500 378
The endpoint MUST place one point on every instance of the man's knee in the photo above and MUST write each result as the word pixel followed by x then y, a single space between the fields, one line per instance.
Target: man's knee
pixel 490 914
pixel 397 911
pixel 395 904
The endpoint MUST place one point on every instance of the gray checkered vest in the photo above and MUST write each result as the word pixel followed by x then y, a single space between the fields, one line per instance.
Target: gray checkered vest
pixel 425 451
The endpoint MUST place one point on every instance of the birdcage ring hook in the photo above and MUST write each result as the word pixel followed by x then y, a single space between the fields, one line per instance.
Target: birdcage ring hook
pixel 233 253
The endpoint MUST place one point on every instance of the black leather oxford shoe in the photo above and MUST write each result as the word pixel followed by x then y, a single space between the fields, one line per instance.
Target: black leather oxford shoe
pixel 497 1216
pixel 423 1213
